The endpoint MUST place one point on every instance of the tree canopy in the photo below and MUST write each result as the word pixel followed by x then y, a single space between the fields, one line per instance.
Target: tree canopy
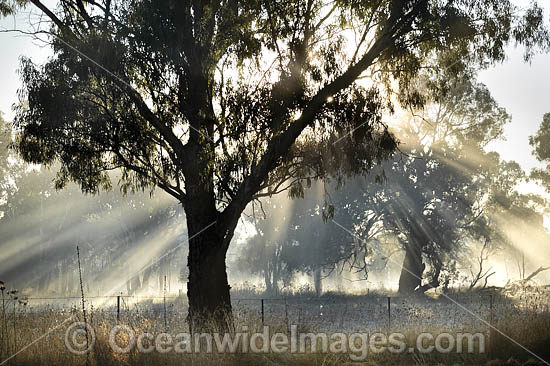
pixel 541 146
pixel 149 87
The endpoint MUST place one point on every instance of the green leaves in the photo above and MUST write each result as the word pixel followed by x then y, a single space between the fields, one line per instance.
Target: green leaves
pixel 9 7
pixel 174 92
pixel 541 145
pixel 541 141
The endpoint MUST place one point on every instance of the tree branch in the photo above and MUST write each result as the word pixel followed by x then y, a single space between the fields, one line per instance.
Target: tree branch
pixel 280 144
pixel 535 273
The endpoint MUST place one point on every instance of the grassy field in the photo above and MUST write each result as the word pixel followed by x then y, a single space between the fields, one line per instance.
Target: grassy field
pixel 37 331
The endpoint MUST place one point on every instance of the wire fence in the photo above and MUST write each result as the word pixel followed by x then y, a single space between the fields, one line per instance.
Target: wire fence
pixel 328 312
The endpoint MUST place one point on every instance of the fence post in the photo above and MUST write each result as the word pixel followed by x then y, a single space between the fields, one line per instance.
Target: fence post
pixel 389 313
pixel 118 308
pixel 286 315
pixel 164 302
pixel 491 309
pixel 263 314
pixel 490 324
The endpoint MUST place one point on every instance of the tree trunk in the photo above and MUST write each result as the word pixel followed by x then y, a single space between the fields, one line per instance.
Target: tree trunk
pixel 276 276
pixel 318 282
pixel 160 278
pixel 208 287
pixel 60 276
pixel 146 278
pixel 136 284
pixel 411 272
pixel 434 281
pixel 267 278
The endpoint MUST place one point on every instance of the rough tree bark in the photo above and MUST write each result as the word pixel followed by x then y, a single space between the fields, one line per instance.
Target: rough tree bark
pixel 208 287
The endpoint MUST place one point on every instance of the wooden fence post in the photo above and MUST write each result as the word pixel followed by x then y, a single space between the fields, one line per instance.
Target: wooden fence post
pixel 263 314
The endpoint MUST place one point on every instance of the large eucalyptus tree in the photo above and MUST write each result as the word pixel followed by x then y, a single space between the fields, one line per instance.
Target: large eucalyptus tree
pixel 219 102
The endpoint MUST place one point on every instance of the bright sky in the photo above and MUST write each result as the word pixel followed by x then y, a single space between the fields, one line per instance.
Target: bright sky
pixel 519 87
pixel 524 90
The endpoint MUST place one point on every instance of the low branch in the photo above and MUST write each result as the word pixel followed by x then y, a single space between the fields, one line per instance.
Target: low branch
pixel 537 272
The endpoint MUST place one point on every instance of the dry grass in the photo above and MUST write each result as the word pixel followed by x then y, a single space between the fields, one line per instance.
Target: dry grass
pixel 529 326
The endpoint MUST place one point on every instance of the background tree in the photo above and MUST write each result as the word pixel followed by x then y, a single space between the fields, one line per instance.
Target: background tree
pixel 434 193
pixel 541 146
pixel 541 149
pixel 486 236
pixel 5 141
pixel 322 246
pixel 220 102
pixel 41 227
pixel 295 237
pixel 518 219
pixel 263 253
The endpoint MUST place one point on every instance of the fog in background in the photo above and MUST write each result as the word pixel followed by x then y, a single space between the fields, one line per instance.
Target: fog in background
pixel 136 243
